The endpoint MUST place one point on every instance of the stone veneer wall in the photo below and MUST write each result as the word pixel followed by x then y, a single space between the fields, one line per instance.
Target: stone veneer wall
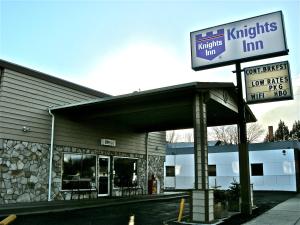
pixel 156 168
pixel 57 166
pixel 24 170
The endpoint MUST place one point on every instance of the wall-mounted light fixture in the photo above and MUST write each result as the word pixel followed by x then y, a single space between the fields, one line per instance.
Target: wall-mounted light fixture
pixel 284 152
pixel 26 129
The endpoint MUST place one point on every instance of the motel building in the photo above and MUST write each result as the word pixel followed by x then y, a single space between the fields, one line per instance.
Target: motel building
pixel 60 140
pixel 274 166
pixel 82 142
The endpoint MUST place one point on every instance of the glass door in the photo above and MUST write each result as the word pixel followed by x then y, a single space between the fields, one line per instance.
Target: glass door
pixel 103 175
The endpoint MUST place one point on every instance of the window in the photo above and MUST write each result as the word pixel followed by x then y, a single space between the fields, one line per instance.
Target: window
pixel 257 169
pixel 170 171
pixel 212 170
pixel 78 171
pixel 125 172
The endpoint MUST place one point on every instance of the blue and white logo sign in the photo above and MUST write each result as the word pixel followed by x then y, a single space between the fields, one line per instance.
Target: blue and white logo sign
pixel 210 46
pixel 245 40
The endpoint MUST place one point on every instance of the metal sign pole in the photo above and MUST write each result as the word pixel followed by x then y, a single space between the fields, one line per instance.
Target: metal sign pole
pixel 246 206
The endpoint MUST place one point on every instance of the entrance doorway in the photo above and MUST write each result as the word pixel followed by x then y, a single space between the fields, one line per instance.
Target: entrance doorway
pixel 103 175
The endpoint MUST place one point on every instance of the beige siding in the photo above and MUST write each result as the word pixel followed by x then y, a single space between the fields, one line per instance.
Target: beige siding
pixel 157 143
pixel 25 101
pixel 88 135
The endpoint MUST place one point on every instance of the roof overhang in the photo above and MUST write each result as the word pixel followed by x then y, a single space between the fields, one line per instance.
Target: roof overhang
pixel 160 109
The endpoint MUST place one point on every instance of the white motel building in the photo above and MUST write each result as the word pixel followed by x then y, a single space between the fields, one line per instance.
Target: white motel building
pixel 274 166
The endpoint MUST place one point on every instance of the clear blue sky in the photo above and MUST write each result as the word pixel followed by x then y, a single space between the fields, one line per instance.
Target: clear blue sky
pixel 74 38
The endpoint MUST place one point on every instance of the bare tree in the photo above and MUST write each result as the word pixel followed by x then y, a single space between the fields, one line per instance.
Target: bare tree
pixel 225 134
pixel 232 134
pixel 189 136
pixel 229 134
pixel 171 137
pixel 185 135
pixel 254 132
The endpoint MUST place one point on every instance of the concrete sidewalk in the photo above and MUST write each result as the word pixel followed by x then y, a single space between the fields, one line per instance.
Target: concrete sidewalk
pixel 285 213
pixel 67 205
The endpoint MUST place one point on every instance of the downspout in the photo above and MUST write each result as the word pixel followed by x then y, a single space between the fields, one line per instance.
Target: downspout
pixel 147 161
pixel 51 157
pixel 175 184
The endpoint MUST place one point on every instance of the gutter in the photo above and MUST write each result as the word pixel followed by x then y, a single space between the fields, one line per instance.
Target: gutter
pixel 51 157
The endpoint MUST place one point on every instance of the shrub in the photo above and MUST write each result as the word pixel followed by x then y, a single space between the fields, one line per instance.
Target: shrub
pixel 234 190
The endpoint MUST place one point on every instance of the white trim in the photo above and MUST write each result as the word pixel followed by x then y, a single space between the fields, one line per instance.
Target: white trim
pixel 108 175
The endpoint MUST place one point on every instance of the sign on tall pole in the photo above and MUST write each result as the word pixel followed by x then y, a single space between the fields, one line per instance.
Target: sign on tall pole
pixel 246 40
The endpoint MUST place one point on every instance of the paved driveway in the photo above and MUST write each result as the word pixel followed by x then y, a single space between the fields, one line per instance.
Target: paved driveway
pixel 146 213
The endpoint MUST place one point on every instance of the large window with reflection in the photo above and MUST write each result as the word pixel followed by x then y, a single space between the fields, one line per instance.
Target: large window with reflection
pixel 125 172
pixel 78 171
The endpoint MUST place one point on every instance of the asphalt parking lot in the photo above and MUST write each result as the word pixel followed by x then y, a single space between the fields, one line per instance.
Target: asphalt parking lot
pixel 144 213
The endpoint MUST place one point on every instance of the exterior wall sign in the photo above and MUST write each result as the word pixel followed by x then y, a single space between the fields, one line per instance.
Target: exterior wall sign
pixel 108 142
pixel 245 40
pixel 269 82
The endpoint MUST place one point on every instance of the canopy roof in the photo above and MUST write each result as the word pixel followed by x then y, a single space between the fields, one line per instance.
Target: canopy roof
pixel 161 109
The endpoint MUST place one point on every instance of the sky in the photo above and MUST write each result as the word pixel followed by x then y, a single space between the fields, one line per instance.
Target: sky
pixel 119 47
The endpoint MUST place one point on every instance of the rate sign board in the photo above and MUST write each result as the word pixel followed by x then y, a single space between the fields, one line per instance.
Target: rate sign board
pixel 241 41
pixel 269 82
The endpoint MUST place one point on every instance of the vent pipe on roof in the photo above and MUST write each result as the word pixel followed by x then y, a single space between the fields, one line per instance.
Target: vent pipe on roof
pixel 271 134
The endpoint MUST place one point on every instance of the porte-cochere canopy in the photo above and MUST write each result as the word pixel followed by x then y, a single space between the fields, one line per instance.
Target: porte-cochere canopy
pixel 161 109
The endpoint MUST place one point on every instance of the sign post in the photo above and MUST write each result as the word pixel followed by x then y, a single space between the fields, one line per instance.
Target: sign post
pixel 246 206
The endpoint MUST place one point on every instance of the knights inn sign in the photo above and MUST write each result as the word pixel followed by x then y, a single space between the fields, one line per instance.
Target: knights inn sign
pixel 245 40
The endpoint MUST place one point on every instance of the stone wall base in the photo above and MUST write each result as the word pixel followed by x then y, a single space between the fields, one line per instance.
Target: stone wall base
pixel 24 171
pixel 203 206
